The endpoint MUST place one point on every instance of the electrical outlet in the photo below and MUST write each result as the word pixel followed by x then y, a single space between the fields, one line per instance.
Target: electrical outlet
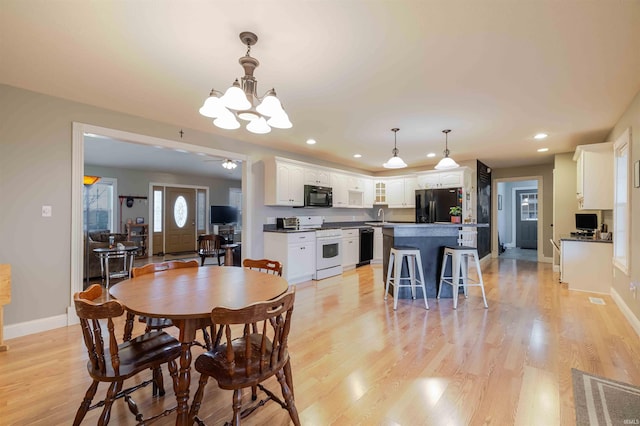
pixel 633 288
pixel 46 211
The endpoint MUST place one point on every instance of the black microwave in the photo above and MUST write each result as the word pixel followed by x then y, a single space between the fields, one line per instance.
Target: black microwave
pixel 318 196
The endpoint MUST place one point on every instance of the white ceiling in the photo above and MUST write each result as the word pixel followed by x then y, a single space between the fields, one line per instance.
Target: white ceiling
pixel 495 72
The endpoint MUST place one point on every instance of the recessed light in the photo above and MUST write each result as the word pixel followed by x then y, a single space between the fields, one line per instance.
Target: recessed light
pixel 540 136
pixel 311 141
pixel 431 154
pixel 357 155
pixel 543 150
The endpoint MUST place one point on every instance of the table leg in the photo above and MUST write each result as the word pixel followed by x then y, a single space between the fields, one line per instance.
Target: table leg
pixel 106 267
pixel 131 263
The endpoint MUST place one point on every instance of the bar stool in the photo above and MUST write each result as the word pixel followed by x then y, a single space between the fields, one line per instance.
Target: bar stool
pixel 395 265
pixel 459 271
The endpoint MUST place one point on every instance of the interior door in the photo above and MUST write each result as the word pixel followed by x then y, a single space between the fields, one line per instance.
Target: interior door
pixel 180 210
pixel 527 218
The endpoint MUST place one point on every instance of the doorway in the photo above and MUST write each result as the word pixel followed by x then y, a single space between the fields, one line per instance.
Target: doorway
pixel 518 225
pixel 180 209
pixel 77 171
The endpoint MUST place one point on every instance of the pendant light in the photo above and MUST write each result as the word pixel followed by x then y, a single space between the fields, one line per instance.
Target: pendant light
pixel 446 162
pixel 394 162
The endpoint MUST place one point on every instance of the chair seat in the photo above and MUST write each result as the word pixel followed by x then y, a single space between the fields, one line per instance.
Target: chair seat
pixel 461 248
pixel 145 351
pixel 214 363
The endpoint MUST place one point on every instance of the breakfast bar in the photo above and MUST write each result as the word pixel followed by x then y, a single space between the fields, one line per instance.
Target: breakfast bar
pixel 430 239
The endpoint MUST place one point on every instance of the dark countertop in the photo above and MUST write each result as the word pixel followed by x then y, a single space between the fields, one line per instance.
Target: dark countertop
pixel 373 224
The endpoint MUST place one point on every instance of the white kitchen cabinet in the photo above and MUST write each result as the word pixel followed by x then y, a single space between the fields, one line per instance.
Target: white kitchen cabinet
pixel 283 183
pixel 339 189
pixel 377 244
pixel 457 178
pixel 380 191
pixel 586 265
pixel 594 173
pixel 368 193
pixel 296 251
pixel 350 248
pixel 318 177
pixel 400 192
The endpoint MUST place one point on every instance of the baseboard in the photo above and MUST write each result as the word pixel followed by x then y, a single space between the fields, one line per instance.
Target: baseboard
pixel 556 268
pixel 545 259
pixel 633 320
pixel 34 326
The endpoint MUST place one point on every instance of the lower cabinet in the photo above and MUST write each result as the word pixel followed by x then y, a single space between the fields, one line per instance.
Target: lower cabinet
pixel 377 245
pixel 350 248
pixel 586 265
pixel 296 251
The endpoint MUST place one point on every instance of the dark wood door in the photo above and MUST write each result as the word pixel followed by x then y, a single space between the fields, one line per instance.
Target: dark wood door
pixel 180 211
pixel 527 218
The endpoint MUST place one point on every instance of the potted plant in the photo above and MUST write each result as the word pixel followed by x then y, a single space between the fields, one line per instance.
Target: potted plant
pixel 456 213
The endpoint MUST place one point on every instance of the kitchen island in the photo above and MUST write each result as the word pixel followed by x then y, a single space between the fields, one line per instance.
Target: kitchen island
pixel 430 239
pixel 586 263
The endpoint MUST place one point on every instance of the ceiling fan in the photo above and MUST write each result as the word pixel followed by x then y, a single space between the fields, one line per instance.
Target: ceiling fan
pixel 226 163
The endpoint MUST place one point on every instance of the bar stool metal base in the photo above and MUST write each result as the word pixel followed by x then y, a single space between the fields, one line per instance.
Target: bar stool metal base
pixel 394 273
pixel 459 272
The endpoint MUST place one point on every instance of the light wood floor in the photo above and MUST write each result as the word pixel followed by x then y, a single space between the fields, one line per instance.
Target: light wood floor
pixel 357 362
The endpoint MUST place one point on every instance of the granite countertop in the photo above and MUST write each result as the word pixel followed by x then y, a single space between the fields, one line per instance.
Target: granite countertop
pixel 583 239
pixel 372 224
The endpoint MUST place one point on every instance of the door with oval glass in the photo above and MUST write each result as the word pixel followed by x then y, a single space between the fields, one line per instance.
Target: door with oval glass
pixel 180 208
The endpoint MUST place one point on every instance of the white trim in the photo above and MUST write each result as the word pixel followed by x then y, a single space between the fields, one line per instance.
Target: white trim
pixel 628 314
pixel 556 268
pixel 494 212
pixel 34 326
pixel 77 172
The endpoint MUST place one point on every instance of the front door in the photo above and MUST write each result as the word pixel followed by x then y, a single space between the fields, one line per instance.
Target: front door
pixel 527 218
pixel 180 210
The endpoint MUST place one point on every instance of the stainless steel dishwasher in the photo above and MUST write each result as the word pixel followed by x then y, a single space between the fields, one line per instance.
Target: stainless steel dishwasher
pixel 366 246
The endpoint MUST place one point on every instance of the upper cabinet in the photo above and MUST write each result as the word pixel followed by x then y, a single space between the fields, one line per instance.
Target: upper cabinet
pixel 456 178
pixel 400 192
pixel 339 190
pixel 351 190
pixel 283 183
pixel 318 177
pixel 594 172
pixel 380 191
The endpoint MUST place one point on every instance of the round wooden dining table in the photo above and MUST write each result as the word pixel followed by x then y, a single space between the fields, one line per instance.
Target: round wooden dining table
pixel 187 296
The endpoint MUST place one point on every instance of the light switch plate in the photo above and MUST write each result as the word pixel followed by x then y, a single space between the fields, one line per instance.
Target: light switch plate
pixel 46 211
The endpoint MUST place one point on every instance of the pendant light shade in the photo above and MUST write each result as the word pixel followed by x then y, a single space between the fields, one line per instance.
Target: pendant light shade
pixel 446 162
pixel 394 162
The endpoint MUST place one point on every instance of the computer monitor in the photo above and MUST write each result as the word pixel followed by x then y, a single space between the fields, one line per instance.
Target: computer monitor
pixel 586 221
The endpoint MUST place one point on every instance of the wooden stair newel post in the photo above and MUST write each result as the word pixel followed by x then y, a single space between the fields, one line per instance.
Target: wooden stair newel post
pixel 5 299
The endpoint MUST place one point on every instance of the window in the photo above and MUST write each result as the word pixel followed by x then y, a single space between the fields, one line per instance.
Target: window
pixel 529 206
pixel 235 200
pixel 99 206
pixel 201 211
pixel 621 157
pixel 157 210
pixel 180 211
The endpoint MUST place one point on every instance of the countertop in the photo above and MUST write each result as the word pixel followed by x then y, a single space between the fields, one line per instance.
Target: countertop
pixel 359 225
pixel 583 239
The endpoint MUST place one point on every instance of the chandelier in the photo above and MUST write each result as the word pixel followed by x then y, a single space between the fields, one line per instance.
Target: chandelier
pixel 241 100
pixel 228 164
pixel 394 162
pixel 446 162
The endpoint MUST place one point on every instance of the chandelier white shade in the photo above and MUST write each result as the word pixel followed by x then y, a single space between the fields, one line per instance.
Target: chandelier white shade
pixel 241 100
pixel 446 162
pixel 229 165
pixel 394 162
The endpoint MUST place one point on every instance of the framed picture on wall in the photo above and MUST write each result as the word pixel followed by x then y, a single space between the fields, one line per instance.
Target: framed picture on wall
pixel 139 220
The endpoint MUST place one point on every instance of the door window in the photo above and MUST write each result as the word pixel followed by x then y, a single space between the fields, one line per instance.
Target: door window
pixel 180 211
pixel 528 206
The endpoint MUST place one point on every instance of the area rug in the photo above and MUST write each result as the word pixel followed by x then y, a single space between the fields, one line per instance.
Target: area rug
pixel 601 401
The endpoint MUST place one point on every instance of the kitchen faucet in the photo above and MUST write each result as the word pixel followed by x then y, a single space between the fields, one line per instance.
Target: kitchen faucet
pixel 381 211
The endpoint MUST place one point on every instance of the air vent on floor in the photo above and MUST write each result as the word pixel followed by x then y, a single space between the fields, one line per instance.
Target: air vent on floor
pixel 596 301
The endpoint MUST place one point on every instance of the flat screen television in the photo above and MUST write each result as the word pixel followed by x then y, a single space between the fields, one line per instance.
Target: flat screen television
pixel 223 215
pixel 586 221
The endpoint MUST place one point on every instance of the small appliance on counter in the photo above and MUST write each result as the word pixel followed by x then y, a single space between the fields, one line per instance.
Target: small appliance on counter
pixel 287 223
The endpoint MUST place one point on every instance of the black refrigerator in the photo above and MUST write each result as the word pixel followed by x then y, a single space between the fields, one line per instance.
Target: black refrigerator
pixel 432 205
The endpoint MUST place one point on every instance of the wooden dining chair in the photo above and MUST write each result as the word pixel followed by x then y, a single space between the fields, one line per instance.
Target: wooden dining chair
pixel 264 265
pixel 247 359
pixel 113 363
pixel 161 323
pixel 211 246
